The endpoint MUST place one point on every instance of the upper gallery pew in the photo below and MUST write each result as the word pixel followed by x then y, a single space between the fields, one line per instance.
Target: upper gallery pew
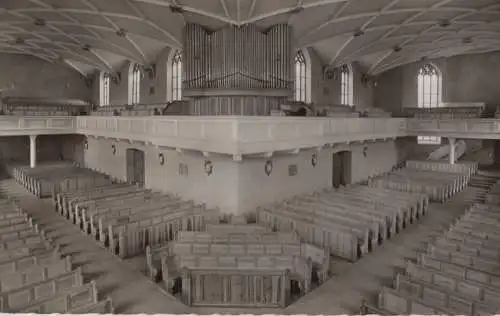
pixel 34 276
pixel 20 106
pixel 48 178
pixel 447 111
pixel 348 222
pixel 153 109
pixel 302 109
pixel 421 177
pixel 458 274
pixel 229 251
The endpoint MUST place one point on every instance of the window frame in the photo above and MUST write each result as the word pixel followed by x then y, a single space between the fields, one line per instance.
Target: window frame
pixel 346 85
pixel 429 94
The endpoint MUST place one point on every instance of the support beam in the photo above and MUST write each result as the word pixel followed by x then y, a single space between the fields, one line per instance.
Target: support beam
pixel 451 155
pixel 33 151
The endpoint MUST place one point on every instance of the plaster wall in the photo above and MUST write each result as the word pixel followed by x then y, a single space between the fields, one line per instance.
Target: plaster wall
pixel 152 90
pixel 238 187
pixel 326 91
pixel 28 76
pixel 465 78
pixel 323 91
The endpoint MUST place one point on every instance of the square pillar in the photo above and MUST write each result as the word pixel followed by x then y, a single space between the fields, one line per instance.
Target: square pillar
pixel 33 151
pixel 451 154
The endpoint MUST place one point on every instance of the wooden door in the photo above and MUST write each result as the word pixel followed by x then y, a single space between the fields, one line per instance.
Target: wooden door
pixel 135 166
pixel 341 165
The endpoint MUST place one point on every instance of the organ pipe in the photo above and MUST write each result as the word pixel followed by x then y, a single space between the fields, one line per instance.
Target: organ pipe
pixel 237 57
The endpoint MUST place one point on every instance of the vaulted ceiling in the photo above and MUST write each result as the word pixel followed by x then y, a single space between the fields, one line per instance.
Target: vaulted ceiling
pixel 379 34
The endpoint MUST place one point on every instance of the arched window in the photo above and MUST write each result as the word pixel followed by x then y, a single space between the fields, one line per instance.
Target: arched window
pixel 176 76
pixel 104 88
pixel 134 84
pixel 429 95
pixel 346 86
pixel 300 91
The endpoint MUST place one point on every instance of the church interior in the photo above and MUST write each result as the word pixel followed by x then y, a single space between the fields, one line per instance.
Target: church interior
pixel 354 142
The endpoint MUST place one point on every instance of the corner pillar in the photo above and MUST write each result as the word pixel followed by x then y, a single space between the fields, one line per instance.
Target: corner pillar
pixel 33 151
pixel 451 154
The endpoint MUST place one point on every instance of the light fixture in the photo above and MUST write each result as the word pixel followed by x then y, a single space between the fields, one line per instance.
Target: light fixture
pixel 297 9
pixel 444 23
pixel 358 33
pixel 121 32
pixel 176 9
pixel 40 22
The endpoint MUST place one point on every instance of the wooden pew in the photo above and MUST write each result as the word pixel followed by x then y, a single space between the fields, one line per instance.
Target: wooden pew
pixel 459 298
pixel 130 238
pixel 475 289
pixel 342 241
pixel 34 277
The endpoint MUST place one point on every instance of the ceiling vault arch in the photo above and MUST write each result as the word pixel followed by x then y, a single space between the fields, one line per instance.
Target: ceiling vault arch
pixel 379 34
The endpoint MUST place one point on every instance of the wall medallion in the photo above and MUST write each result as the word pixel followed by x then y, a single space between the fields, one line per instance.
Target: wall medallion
pixel 86 144
pixel 113 149
pixel 268 167
pixel 365 152
pixel 314 159
pixel 209 167
pixel 161 157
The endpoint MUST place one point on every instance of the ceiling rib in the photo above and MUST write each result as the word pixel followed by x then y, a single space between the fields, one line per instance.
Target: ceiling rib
pixel 419 25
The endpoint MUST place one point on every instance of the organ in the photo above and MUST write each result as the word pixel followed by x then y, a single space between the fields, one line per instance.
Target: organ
pixel 237 70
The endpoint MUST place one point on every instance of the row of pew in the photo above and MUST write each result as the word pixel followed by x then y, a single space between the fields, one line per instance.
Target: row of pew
pixel 122 217
pixel 438 180
pixel 493 196
pixel 126 219
pixel 34 276
pixel 348 222
pixel 447 111
pixel 167 108
pixel 48 178
pixel 235 246
pixel 241 254
pixel 351 221
pixel 458 274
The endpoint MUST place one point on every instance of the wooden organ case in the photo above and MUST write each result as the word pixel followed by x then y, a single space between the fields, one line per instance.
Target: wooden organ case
pixel 237 70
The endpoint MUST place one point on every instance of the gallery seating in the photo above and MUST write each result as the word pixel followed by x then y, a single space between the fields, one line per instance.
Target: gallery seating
pixel 447 111
pixel 152 109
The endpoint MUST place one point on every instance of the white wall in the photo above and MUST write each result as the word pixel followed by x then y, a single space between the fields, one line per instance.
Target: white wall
pixel 257 188
pixel 197 185
pixel 238 187
pixel 118 93
pixel 28 76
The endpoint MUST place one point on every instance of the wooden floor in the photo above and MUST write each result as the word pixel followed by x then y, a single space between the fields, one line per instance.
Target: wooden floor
pixel 132 292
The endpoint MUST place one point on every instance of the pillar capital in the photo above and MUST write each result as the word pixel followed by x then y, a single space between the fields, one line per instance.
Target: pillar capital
pixel 33 137
pixel 451 140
